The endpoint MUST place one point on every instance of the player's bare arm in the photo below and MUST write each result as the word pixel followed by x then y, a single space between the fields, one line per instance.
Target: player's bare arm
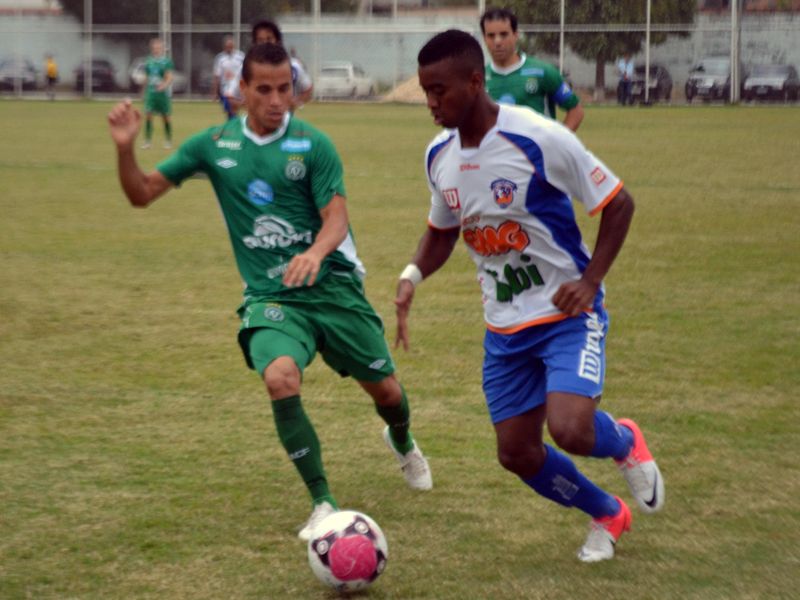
pixel 573 118
pixel 165 82
pixel 124 123
pixel 304 267
pixel 434 249
pixel 574 297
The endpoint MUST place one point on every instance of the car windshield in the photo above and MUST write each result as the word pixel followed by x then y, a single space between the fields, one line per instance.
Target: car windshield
pixel 764 70
pixel 713 67
pixel 334 72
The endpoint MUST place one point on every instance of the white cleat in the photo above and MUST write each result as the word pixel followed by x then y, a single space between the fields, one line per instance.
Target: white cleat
pixel 413 464
pixel 641 472
pixel 321 510
pixel 603 535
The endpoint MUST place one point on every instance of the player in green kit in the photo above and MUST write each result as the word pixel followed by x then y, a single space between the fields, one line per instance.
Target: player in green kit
pixel 157 91
pixel 512 77
pixel 279 182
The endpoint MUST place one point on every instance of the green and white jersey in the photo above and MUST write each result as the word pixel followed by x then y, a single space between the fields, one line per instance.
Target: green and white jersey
pixel 531 82
pixel 156 68
pixel 270 190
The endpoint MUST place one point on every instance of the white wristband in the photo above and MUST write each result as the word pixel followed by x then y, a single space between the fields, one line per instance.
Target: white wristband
pixel 412 273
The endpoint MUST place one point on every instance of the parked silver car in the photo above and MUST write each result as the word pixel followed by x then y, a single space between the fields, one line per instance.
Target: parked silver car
pixel 772 82
pixel 343 80
pixel 15 68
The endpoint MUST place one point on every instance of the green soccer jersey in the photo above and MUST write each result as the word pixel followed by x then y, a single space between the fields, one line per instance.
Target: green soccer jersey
pixel 156 68
pixel 532 83
pixel 271 190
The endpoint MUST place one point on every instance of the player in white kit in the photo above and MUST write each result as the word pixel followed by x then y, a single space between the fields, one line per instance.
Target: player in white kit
pixel 227 74
pixel 504 179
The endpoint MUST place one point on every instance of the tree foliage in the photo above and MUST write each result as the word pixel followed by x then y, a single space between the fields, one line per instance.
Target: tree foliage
pixel 220 11
pixel 602 47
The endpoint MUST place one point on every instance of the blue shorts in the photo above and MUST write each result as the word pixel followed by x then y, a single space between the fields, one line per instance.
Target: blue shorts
pixel 520 369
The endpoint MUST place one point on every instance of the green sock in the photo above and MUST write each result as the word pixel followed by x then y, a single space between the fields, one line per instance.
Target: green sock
pixel 398 418
pixel 168 130
pixel 148 129
pixel 302 445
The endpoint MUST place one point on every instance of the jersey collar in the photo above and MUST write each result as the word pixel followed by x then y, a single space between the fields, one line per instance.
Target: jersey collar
pixel 512 68
pixel 267 139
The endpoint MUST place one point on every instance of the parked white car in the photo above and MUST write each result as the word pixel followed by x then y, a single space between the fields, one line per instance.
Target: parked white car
pixel 343 80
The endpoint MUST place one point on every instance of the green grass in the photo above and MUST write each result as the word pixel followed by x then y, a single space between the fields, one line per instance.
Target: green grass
pixel 138 457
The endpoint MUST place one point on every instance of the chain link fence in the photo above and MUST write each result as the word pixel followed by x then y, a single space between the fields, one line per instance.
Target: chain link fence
pixel 98 56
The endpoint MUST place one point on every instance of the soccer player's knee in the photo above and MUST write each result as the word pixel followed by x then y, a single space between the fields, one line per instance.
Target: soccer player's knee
pixel 282 379
pixel 522 462
pixel 572 438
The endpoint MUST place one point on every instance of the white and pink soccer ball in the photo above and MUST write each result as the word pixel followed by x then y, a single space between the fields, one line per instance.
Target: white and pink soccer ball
pixel 347 551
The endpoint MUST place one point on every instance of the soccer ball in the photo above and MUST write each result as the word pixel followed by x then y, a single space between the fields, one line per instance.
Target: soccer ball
pixel 348 551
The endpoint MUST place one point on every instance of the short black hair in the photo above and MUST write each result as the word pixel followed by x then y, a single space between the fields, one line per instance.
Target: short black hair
pixel 266 24
pixel 263 54
pixel 499 14
pixel 455 44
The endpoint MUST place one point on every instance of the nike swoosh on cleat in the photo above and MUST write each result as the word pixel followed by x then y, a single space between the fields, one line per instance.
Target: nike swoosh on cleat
pixel 654 500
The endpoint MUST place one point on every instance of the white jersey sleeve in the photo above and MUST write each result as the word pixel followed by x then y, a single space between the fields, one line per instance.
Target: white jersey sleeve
pixel 571 168
pixel 217 69
pixel 441 215
pixel 300 78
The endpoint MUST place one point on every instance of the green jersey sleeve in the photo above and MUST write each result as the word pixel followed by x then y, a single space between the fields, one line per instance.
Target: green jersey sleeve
pixel 327 174
pixel 186 160
pixel 557 89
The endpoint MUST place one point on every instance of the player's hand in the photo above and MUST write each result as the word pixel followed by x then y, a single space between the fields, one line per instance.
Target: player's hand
pixel 574 297
pixel 302 269
pixel 124 122
pixel 403 299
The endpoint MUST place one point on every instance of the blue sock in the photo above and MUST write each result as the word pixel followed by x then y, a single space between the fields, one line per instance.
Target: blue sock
pixel 560 481
pixel 610 438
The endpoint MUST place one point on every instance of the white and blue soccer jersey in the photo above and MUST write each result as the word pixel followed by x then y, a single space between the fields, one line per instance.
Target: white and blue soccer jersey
pixel 301 81
pixel 512 199
pixel 228 70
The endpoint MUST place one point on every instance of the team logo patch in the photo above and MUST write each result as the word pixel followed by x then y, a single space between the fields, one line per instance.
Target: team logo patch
pixel 260 193
pixel 273 313
pixel 503 191
pixel 451 198
pixel 532 86
pixel 226 163
pixel 598 176
pixel 295 170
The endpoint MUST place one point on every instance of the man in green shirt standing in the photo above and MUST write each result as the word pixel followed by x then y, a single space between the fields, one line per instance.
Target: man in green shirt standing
pixel 279 183
pixel 158 70
pixel 514 78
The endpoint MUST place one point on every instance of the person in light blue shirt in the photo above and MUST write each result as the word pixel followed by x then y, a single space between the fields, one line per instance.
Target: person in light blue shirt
pixel 625 72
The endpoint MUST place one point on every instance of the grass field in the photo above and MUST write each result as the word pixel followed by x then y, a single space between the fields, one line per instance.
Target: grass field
pixel 138 457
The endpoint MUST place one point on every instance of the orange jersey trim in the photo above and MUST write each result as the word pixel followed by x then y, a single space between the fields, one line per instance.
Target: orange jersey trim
pixel 516 328
pixel 608 199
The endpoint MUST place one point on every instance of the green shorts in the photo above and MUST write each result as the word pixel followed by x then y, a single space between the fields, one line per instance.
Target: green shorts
pixel 333 318
pixel 158 102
